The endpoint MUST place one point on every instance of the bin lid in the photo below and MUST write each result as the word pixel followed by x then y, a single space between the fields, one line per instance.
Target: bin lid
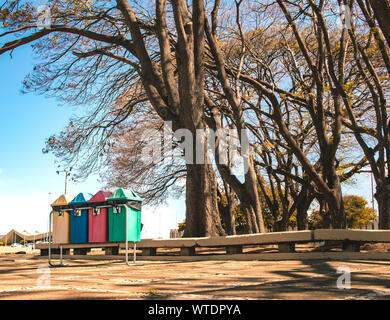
pixel 100 196
pixel 122 194
pixel 81 198
pixel 63 200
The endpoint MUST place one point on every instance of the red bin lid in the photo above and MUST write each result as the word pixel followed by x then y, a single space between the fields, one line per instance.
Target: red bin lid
pixel 100 196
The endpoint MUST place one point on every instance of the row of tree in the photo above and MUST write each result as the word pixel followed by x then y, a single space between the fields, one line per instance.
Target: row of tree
pixel 305 82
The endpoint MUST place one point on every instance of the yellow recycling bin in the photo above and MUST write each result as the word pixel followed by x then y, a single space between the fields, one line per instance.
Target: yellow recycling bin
pixel 61 221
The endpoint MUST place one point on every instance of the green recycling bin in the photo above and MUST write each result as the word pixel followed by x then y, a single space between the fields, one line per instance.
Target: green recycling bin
pixel 124 202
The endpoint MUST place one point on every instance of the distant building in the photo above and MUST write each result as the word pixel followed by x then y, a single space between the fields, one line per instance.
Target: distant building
pixel 374 225
pixel 14 236
pixel 174 233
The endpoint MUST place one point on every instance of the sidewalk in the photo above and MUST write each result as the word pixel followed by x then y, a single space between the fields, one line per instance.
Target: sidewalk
pixel 22 277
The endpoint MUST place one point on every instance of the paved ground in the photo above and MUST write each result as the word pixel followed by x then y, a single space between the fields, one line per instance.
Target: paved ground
pixel 22 277
pixel 8 249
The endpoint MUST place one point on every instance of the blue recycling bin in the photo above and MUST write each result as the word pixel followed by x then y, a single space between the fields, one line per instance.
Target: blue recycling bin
pixel 79 219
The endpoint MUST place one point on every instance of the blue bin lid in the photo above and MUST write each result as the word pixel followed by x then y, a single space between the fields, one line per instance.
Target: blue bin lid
pixel 81 198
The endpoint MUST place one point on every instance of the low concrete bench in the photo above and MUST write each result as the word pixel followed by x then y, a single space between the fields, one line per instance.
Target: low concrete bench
pixel 349 240
pixel 233 244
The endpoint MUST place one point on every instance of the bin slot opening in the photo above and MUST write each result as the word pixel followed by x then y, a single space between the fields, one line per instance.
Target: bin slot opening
pixel 96 211
pixel 116 209
pixel 77 213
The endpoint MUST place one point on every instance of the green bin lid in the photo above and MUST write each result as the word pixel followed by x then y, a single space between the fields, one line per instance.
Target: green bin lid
pixel 122 194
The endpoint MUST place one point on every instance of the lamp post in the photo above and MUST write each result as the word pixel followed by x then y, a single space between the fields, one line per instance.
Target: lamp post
pixel 46 238
pixel 67 174
pixel 372 187
pixel 372 192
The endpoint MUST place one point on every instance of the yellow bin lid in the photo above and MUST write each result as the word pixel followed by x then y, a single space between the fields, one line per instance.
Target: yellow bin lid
pixel 63 200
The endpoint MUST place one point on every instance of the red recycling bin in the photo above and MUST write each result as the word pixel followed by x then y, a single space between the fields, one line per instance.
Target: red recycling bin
pixel 98 219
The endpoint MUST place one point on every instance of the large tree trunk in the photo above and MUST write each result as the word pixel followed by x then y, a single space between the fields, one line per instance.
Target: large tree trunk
pixel 334 198
pixel 302 223
pixel 324 213
pixel 250 217
pixel 336 205
pixel 231 220
pixel 227 211
pixel 302 209
pixel 202 214
pixel 334 214
pixel 282 223
pixel 202 218
pixel 252 190
pixel 381 10
pixel 336 211
pixel 228 219
pixel 382 196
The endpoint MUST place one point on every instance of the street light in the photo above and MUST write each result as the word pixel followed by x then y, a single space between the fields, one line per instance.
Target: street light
pixel 67 174
pixel 372 193
pixel 372 186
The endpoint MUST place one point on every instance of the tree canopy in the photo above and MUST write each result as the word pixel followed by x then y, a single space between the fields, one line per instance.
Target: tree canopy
pixel 303 84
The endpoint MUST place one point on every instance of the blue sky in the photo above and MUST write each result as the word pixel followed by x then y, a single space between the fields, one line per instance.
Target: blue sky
pixel 27 176
pixel 26 120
